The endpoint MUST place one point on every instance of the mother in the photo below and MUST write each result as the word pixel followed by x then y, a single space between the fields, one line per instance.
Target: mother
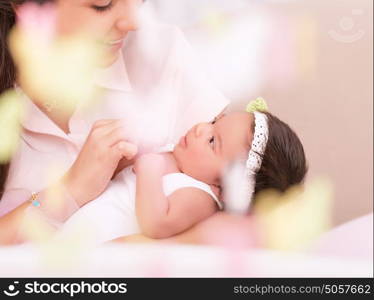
pixel 88 147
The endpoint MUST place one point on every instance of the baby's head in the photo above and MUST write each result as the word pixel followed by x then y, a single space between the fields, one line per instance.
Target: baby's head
pixel 209 148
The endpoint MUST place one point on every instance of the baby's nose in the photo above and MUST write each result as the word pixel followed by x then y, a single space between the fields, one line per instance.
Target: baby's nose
pixel 201 129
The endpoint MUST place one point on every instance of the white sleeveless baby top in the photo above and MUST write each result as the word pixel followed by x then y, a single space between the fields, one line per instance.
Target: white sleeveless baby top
pixel 113 215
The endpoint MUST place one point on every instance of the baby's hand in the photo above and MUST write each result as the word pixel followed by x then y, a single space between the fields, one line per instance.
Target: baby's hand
pixel 163 163
pixel 150 163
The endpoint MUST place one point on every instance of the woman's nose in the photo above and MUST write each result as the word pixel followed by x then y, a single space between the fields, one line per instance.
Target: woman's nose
pixel 128 20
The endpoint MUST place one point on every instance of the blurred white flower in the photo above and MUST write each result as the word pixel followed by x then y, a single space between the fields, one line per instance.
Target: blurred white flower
pixel 55 71
pixel 11 111
pixel 293 220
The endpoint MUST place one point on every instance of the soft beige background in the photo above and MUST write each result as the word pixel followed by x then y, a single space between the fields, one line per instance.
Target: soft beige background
pixel 333 110
pixel 331 107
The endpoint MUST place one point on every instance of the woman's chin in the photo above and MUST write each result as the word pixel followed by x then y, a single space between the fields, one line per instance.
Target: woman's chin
pixel 109 59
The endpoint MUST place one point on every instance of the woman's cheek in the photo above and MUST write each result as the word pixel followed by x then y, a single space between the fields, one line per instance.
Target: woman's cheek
pixel 81 20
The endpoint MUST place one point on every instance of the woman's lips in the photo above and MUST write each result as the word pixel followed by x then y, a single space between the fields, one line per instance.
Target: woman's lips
pixel 112 42
pixel 115 45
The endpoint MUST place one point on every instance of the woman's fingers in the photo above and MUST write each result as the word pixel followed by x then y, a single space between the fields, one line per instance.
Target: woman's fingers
pixel 110 140
pixel 125 149
pixel 104 122
pixel 115 136
pixel 107 133
pixel 108 128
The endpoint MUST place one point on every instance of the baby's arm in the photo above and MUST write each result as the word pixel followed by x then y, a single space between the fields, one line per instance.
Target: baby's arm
pixel 160 216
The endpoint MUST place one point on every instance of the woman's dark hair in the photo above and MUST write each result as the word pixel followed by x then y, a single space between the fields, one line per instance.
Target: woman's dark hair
pixel 7 67
pixel 283 163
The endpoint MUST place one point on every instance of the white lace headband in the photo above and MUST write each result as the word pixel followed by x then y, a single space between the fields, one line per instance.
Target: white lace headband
pixel 240 178
pixel 259 142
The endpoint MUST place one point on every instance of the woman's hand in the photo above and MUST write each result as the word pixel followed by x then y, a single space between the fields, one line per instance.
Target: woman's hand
pixel 91 172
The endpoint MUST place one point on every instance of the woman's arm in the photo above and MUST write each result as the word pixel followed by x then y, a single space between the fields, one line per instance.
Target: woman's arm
pixel 10 224
pixel 86 179
pixel 18 214
pixel 207 232
pixel 24 224
pixel 160 216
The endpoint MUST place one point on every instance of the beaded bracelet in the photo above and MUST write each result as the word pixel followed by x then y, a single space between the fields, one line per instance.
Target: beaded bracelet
pixel 34 200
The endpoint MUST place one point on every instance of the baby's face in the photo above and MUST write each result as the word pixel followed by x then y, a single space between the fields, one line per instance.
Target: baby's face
pixel 207 148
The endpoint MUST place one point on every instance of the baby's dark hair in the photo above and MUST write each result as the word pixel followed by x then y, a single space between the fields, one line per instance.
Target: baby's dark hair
pixel 283 163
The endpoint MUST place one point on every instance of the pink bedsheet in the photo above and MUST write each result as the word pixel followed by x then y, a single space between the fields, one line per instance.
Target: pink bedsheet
pixel 353 239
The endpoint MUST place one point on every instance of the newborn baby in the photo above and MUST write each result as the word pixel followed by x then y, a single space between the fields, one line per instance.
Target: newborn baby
pixel 165 194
